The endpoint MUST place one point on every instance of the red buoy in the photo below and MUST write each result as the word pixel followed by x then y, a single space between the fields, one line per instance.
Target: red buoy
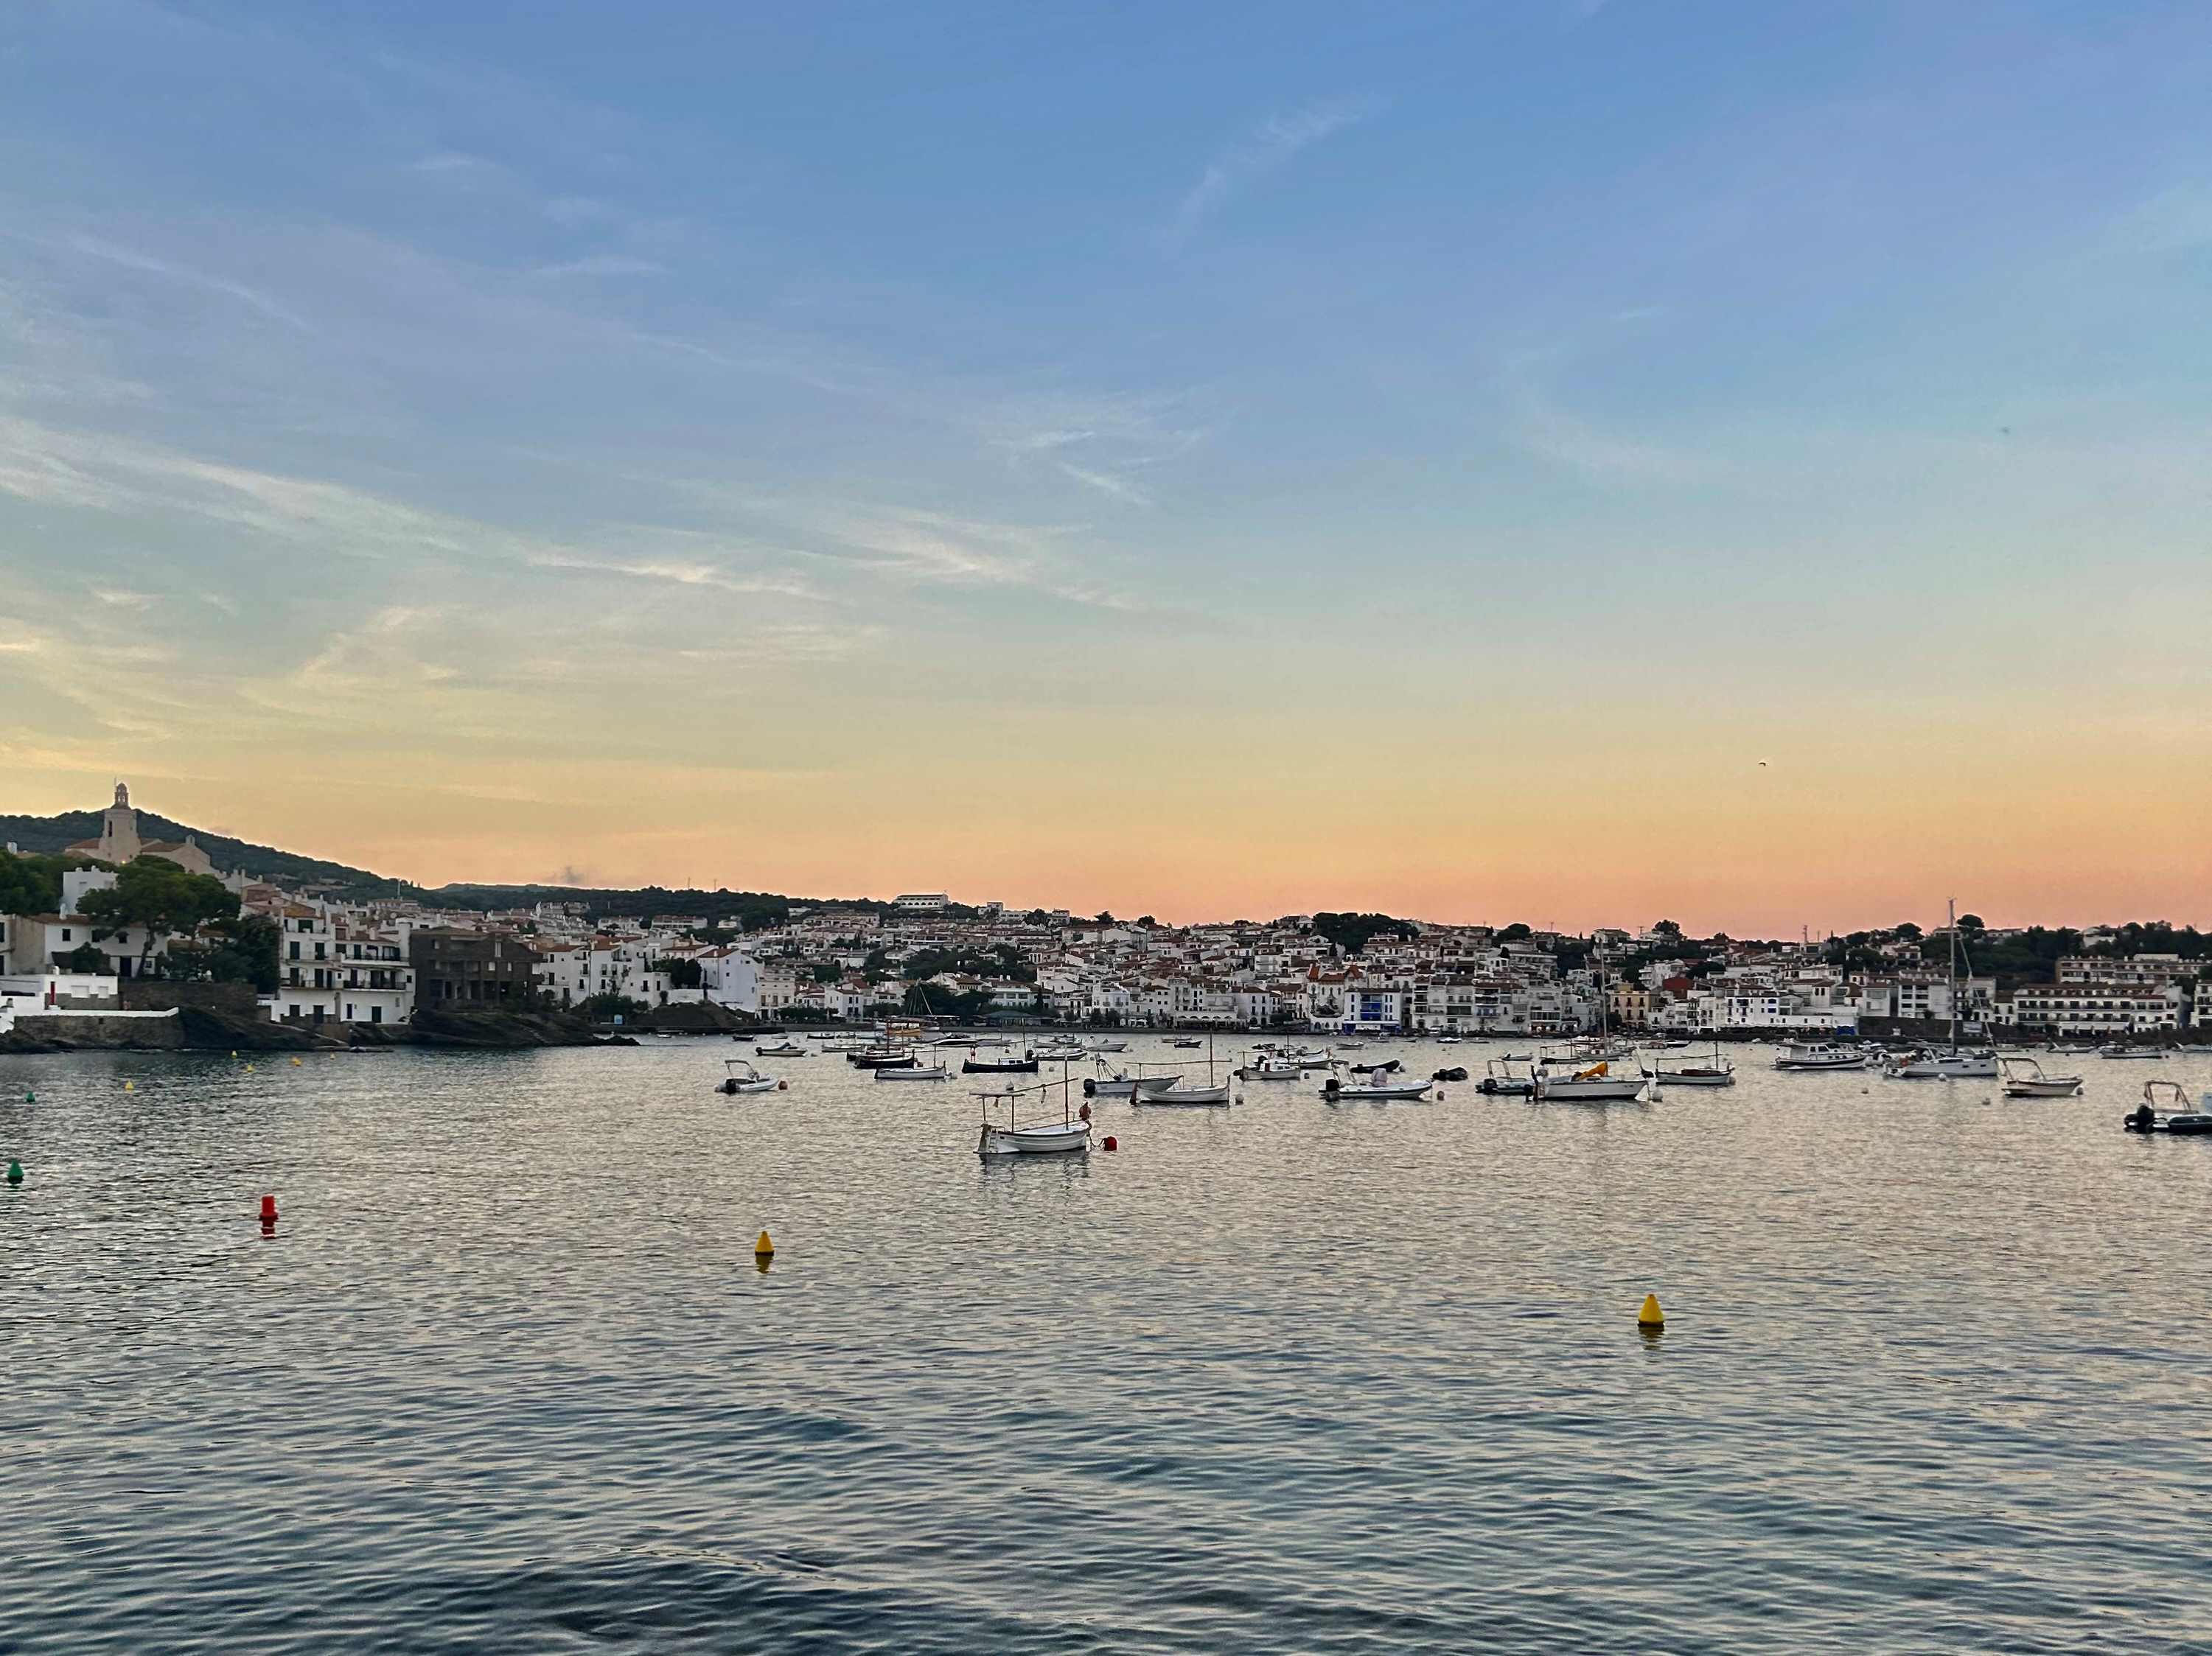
pixel 268 1210
pixel 1085 1112
pixel 1112 1142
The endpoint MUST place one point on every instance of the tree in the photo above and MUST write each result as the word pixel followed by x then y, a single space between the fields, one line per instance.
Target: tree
pixel 1105 917
pixel 243 950
pixel 85 957
pixel 1669 927
pixel 1971 923
pixel 31 885
pixel 611 1006
pixel 681 974
pixel 1352 933
pixel 1147 922
pixel 155 893
pixel 827 974
pixel 1909 932
pixel 1515 933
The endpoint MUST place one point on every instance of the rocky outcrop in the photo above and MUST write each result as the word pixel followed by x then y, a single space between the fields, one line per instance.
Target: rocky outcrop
pixel 499 1029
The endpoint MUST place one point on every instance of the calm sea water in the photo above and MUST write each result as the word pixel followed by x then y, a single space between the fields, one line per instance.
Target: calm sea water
pixel 1290 1377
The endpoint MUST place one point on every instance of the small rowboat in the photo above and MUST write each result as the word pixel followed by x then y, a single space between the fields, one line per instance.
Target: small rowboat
pixel 782 1049
pixel 912 1072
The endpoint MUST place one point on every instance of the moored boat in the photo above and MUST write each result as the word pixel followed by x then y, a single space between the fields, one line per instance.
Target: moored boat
pixel 1356 1092
pixel 2024 1078
pixel 912 1072
pixel 1818 1055
pixel 2177 1119
pixel 1040 1135
pixel 742 1077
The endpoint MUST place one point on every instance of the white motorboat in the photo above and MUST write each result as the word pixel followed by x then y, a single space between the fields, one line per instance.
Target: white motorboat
pixel 1271 1067
pixel 743 1077
pixel 1109 1045
pixel 1060 1054
pixel 1818 1055
pixel 1188 1044
pixel 1948 1066
pixel 912 1072
pixel 1447 1040
pixel 1040 1135
pixel 2024 1078
pixel 2118 1051
pixel 2076 1049
pixel 1362 1092
pixel 782 1049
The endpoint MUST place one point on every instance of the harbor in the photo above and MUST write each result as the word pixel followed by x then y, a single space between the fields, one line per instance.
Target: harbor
pixel 508 1372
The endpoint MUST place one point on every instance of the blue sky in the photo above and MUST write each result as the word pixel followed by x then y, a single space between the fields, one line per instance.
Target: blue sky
pixel 815 428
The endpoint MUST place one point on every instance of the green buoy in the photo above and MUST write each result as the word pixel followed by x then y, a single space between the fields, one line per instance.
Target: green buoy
pixel 14 1172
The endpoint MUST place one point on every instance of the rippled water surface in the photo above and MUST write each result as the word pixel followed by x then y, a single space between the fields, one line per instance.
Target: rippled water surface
pixel 1288 1377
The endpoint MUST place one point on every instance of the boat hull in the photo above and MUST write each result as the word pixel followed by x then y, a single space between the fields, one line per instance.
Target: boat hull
pixel 1606 1091
pixel 2050 1087
pixel 1187 1095
pixel 1035 1141
pixel 935 1073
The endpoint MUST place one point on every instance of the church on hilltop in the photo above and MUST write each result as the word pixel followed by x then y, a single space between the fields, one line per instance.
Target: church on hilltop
pixel 119 841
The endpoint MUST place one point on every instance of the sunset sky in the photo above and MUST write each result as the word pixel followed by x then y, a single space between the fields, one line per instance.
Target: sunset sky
pixel 1202 460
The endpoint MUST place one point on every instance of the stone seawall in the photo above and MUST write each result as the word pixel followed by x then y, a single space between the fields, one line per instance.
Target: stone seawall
pixel 98 1031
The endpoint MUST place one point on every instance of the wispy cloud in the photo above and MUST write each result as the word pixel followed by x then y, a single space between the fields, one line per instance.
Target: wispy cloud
pixel 603 265
pixel 129 259
pixel 1273 143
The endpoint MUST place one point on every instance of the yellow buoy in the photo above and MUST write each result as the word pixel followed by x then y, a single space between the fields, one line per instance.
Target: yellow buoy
pixel 130 1086
pixel 295 1063
pixel 763 1249
pixel 1651 1316
pixel 249 1068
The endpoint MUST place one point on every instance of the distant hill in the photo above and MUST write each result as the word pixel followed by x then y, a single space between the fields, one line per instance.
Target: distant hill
pixel 52 833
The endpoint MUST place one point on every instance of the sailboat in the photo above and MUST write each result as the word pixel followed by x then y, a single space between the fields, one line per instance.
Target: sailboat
pixel 1594 1083
pixel 1953 1065
pixel 1040 1135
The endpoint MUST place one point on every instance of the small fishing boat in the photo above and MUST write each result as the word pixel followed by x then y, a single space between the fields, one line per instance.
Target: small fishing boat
pixel 1060 1054
pixel 2179 1118
pixel 1270 1066
pixel 1216 1090
pixel 1818 1055
pixel 1388 1067
pixel 2076 1049
pixel 1358 1092
pixel 1188 1044
pixel 2117 1051
pixel 882 1057
pixel 1447 1040
pixel 1026 1065
pixel 912 1072
pixel 2024 1078
pixel 1719 1073
pixel 1454 1072
pixel 1109 1045
pixel 743 1077
pixel 1040 1135
pixel 782 1049
pixel 1121 1085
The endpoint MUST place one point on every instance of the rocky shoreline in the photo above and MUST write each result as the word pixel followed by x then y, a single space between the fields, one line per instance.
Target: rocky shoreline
pixel 196 1030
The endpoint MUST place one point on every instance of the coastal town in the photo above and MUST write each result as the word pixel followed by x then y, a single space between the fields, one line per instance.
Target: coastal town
pixel 345 963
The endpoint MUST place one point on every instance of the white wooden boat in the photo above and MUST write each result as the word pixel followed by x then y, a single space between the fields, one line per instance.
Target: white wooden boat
pixel 912 1072
pixel 2129 1052
pixel 1365 1092
pixel 2024 1078
pixel 1060 1054
pixel 1719 1073
pixel 1109 1045
pixel 1181 1095
pixel 782 1049
pixel 743 1077
pixel 1126 1086
pixel 1188 1044
pixel 1268 1067
pixel 1044 1134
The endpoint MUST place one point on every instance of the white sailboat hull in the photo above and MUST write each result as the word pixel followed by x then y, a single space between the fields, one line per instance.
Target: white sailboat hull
pixel 935 1072
pixel 1603 1090
pixel 1188 1095
pixel 2048 1086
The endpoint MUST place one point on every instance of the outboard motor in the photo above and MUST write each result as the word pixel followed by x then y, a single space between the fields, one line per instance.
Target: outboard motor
pixel 2141 1119
pixel 1331 1087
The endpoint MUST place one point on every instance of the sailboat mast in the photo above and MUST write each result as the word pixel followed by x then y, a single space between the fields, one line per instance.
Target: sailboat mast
pixel 1954 974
